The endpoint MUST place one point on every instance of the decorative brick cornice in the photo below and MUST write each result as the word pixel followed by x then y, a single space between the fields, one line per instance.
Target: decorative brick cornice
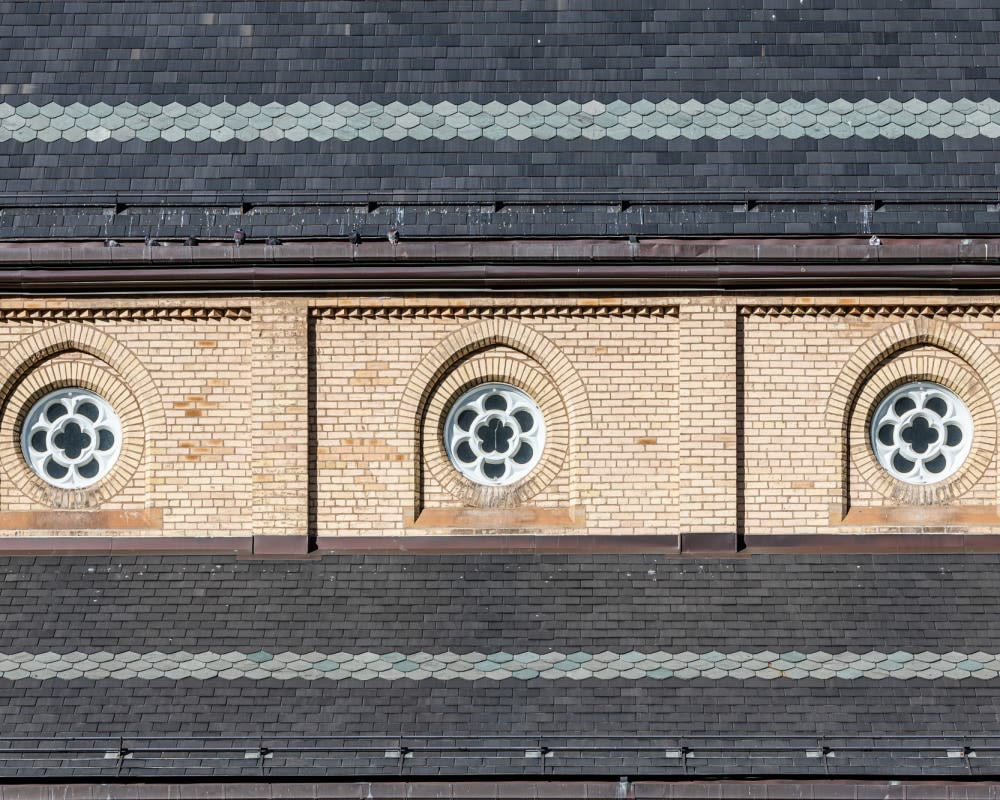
pixel 525 311
pixel 99 314
pixel 873 311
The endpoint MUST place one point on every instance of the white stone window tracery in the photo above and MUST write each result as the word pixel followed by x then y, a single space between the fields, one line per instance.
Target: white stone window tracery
pixel 71 438
pixel 494 434
pixel 921 433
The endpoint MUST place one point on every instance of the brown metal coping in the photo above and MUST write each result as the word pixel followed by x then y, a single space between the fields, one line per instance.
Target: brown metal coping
pixel 700 545
pixel 730 264
pixel 492 789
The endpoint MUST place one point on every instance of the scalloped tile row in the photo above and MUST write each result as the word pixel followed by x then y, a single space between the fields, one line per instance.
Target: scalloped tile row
pixel 569 119
pixel 579 665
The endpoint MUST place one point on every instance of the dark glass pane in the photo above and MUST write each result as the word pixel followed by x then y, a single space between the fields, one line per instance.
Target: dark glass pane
pixel 55 411
pixel 919 435
pixel 71 440
pixel 495 402
pixel 954 435
pixel 902 405
pixel 105 440
pixel 494 471
pixel 524 453
pixel 525 420
pixel 89 410
pixel 466 418
pixel 901 464
pixel 465 454
pixel 494 436
pixel 55 470
pixel 89 470
pixel 38 441
pixel 937 405
pixel 936 465
pixel 885 434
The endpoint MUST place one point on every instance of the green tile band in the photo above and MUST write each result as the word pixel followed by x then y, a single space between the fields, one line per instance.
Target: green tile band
pixel 590 119
pixel 577 666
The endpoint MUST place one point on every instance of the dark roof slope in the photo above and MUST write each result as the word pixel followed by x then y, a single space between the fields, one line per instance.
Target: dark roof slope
pixel 453 665
pixel 276 103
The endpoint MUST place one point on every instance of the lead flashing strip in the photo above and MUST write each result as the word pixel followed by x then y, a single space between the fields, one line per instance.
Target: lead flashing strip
pixel 569 120
pixel 577 666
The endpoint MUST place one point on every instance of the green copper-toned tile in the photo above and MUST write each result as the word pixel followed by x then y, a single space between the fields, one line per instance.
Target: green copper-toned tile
pixel 273 109
pixel 754 119
pixel 842 130
pixel 643 107
pixel 730 119
pixel 569 108
pixel 791 107
pixel 779 119
pixel 630 119
pixel 145 135
pixel 259 657
pixel 742 131
pixel 77 110
pixel 892 131
pixel 618 108
pixel 310 121
pixel 51 110
pixel 421 133
pixel 692 107
pixel 470 132
pixel 667 107
pixel 704 120
pixel 793 131
pixel 544 132
pixel 186 122
pixel 272 134
pixel 40 123
pixel 718 132
pixel 929 118
pixel 223 109
pixel 940 105
pixel 593 132
pixel 593 108
pixel 767 106
pixel 816 106
pixel 619 133
pixel 445 133
pixel 966 130
pixel 296 134
pixel 445 108
pixel 370 133
pixel 606 120
pixel 507 120
pixel 742 107
pixel 173 134
pixel 482 120
pixel 533 120
pixel 841 106
pixel 432 121
pixel 977 118
pixel 641 132
pixel 917 131
pixel 890 106
pixel 86 121
pixel 494 132
pixel 494 108
pixel 371 109
pixel 866 131
pixel 717 107
pixel 953 118
pixel 768 132
pixel 285 122
pixel 200 109
pixel 114 122
pixel 248 109
pixel 349 109
pixel 406 666
pixel 942 131
pixel 247 134
pixel 174 110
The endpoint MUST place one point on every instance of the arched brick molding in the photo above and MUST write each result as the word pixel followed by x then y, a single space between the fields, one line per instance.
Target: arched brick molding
pixel 852 385
pixel 35 366
pixel 553 369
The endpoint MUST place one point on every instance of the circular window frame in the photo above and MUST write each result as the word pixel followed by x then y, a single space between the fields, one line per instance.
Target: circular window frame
pixel 51 377
pixel 892 422
pixel 100 428
pixel 492 368
pixel 923 365
pixel 522 436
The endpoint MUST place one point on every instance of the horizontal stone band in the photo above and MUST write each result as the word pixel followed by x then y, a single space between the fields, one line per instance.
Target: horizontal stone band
pixel 445 666
pixel 591 119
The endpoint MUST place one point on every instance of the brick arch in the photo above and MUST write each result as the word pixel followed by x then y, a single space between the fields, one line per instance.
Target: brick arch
pixel 871 356
pixel 125 382
pixel 909 333
pixel 475 338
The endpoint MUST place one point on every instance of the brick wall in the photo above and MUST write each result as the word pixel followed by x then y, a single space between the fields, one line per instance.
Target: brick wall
pixel 280 417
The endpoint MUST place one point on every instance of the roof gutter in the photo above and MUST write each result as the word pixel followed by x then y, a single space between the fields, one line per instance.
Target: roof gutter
pixel 502 265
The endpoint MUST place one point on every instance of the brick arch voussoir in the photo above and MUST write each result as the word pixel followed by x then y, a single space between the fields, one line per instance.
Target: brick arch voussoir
pixel 480 336
pixel 909 333
pixel 72 336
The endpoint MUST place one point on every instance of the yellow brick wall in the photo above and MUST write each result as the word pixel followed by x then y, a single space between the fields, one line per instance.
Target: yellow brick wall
pixel 690 414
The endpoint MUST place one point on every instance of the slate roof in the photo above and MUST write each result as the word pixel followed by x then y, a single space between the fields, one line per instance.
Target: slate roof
pixel 685 110
pixel 209 622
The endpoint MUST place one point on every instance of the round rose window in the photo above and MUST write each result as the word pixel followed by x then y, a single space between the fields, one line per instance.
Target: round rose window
pixel 71 438
pixel 494 434
pixel 921 433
